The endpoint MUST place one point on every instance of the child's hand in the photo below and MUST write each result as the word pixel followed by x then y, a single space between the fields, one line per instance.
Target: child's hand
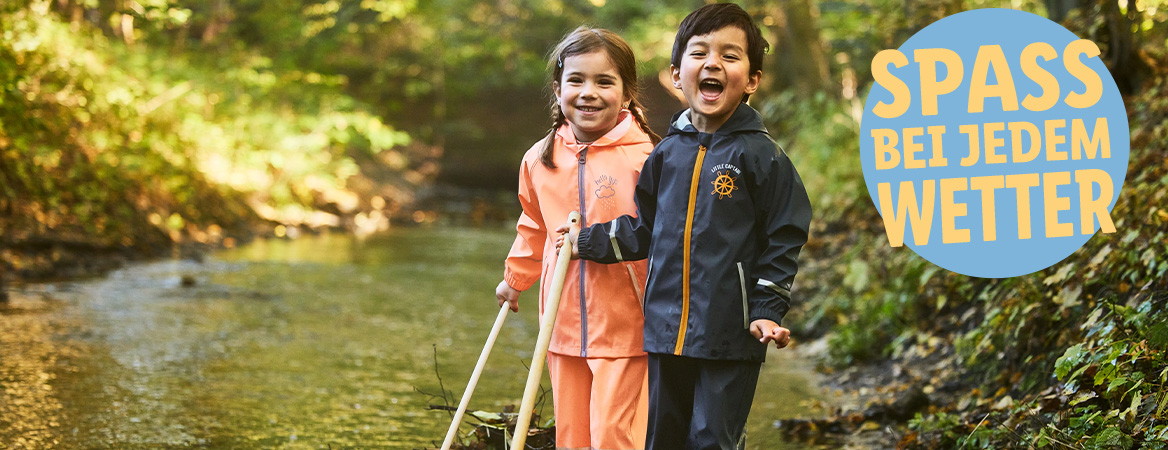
pixel 571 235
pixel 767 330
pixel 505 293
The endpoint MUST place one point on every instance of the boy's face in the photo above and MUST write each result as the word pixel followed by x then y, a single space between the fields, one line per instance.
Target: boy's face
pixel 714 75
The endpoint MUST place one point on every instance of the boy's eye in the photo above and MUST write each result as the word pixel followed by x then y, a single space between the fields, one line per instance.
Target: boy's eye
pixel 697 54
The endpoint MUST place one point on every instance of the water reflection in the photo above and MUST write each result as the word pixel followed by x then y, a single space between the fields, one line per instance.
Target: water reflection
pixel 314 343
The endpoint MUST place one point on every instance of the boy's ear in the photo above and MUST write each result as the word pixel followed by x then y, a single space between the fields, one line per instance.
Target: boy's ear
pixel 675 73
pixel 753 81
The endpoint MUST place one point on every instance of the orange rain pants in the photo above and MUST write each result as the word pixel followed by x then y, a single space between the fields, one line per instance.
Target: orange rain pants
pixel 600 403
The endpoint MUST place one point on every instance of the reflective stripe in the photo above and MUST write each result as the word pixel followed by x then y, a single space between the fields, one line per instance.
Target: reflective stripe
pixel 745 307
pixel 689 213
pixel 786 293
pixel 640 295
pixel 612 239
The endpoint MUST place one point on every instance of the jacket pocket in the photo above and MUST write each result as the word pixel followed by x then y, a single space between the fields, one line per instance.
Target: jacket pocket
pixel 745 305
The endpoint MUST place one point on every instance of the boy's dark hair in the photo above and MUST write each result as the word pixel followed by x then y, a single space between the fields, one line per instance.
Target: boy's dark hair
pixel 714 17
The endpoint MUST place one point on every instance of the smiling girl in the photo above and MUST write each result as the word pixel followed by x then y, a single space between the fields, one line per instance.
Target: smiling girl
pixel 589 162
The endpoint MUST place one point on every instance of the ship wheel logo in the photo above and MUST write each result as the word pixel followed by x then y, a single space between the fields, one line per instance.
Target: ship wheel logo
pixel 724 185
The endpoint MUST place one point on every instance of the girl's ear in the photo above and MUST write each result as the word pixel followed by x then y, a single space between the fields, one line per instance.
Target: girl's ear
pixel 556 88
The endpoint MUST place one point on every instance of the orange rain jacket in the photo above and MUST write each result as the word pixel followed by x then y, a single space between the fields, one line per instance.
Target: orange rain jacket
pixel 600 313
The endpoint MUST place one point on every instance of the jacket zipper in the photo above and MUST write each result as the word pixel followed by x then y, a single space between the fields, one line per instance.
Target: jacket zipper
pixel 689 215
pixel 583 214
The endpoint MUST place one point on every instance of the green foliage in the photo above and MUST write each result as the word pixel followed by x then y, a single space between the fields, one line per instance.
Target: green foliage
pixel 110 144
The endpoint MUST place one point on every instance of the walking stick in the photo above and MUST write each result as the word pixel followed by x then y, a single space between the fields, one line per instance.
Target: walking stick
pixel 474 377
pixel 550 308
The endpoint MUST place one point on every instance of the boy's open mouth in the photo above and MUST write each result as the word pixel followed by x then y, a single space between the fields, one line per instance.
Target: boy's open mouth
pixel 710 89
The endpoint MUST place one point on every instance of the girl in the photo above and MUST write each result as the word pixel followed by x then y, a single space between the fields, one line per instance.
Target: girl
pixel 588 162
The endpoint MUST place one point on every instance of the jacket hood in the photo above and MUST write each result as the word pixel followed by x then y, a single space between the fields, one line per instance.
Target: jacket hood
pixel 626 132
pixel 744 119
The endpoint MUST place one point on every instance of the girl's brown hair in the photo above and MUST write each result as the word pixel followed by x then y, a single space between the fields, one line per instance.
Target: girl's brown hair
pixel 586 40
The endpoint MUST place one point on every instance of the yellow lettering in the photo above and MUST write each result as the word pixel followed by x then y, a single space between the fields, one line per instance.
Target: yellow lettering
pixel 1053 139
pixel 901 97
pixel 911 147
pixel 931 88
pixel 1091 207
pixel 989 215
pixel 894 218
pixel 936 132
pixel 1050 183
pixel 1016 129
pixel 887 156
pixel 992 143
pixel 974 145
pixel 951 210
pixel 991 56
pixel 1079 70
pixel 1098 143
pixel 1048 83
pixel 1022 183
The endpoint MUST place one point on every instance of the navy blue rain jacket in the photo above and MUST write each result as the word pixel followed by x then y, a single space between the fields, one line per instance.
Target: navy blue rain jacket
pixel 722 218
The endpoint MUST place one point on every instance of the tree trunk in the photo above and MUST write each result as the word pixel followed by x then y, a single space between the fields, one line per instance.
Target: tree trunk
pixel 799 60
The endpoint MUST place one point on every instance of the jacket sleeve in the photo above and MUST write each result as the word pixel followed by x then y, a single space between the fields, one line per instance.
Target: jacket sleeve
pixel 524 261
pixel 627 237
pixel 783 216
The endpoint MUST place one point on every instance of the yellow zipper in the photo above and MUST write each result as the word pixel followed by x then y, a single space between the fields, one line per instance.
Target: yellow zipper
pixel 689 215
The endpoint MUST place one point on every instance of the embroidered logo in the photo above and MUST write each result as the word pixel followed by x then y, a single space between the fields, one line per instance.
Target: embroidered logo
pixel 605 192
pixel 724 185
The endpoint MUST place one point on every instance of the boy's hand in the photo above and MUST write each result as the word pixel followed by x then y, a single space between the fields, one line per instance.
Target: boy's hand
pixel 505 293
pixel 767 330
pixel 571 235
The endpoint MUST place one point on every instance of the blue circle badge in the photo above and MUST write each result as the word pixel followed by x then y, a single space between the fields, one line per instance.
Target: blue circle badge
pixel 994 153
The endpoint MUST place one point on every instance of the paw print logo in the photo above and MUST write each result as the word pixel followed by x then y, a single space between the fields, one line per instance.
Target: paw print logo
pixel 724 185
pixel 605 192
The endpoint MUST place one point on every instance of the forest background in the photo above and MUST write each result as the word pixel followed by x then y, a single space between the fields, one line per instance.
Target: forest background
pixel 141 128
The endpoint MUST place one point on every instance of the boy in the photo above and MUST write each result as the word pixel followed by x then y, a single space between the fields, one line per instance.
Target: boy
pixel 722 215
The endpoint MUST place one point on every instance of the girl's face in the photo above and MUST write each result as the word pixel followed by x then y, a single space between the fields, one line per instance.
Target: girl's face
pixel 591 94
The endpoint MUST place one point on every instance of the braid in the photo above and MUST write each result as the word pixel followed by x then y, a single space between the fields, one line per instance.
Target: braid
pixel 549 144
pixel 639 114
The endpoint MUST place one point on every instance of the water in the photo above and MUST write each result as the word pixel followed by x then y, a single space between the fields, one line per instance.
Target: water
pixel 321 342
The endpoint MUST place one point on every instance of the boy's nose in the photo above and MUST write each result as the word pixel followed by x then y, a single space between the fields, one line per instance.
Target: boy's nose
pixel 712 64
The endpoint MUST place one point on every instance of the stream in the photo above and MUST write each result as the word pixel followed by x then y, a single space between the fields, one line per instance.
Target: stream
pixel 322 342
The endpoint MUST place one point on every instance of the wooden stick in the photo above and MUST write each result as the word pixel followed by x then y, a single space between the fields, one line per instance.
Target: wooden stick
pixel 474 377
pixel 550 308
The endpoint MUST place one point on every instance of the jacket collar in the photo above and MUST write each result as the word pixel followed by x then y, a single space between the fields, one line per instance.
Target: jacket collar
pixel 626 132
pixel 744 119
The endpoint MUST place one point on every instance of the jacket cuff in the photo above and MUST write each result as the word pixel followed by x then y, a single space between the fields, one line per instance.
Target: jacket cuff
pixel 767 313
pixel 517 281
pixel 584 244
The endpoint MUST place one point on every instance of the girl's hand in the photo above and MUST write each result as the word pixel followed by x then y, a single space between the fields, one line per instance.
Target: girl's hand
pixel 566 230
pixel 505 293
pixel 767 331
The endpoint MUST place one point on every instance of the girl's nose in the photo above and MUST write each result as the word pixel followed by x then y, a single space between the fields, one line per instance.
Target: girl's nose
pixel 588 91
